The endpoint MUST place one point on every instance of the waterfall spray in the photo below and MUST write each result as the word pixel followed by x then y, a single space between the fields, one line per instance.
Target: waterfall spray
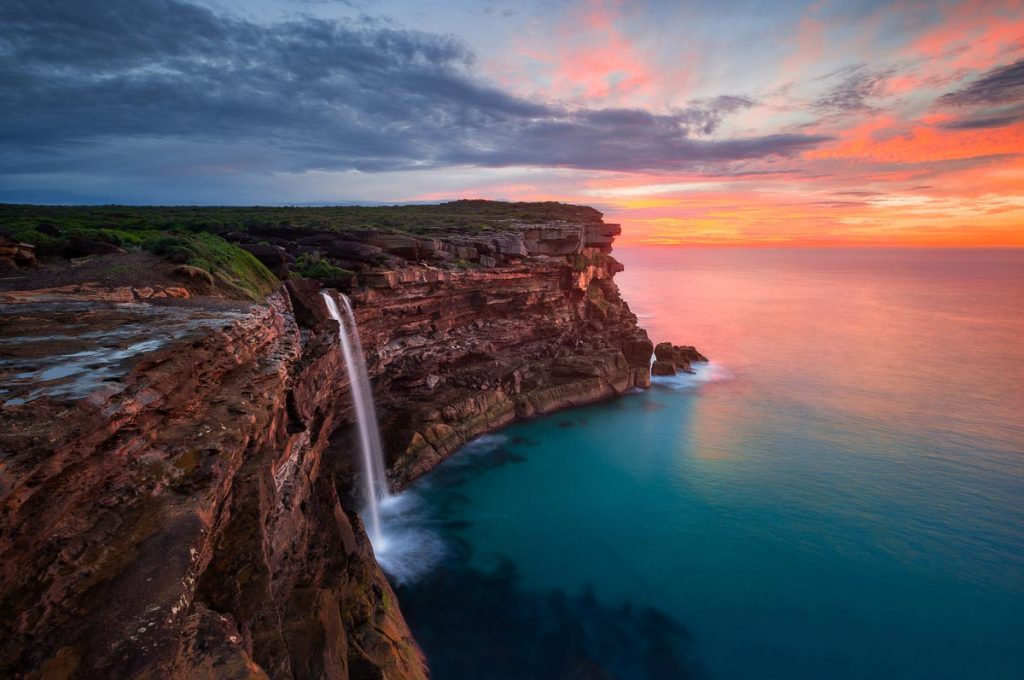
pixel 374 480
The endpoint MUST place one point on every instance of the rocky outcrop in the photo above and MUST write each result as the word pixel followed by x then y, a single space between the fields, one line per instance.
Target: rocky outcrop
pixel 459 352
pixel 14 254
pixel 93 292
pixel 179 518
pixel 179 502
pixel 670 359
pixel 467 331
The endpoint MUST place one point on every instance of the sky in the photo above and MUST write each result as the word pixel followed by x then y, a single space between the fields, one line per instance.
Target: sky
pixel 716 122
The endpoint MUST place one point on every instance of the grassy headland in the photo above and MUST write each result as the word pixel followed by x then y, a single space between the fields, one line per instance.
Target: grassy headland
pixel 193 235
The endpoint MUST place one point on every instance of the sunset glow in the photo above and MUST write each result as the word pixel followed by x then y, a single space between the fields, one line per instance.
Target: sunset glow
pixel 806 123
pixel 903 163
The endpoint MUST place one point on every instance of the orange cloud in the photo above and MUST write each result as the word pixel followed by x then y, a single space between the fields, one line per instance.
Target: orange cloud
pixel 894 174
pixel 974 35
pixel 587 59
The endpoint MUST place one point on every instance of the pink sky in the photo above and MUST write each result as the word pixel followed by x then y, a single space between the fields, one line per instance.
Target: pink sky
pixel 902 164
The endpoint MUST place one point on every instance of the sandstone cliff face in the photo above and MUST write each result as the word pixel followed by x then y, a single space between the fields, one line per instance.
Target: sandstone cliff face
pixel 456 354
pixel 180 504
pixel 182 519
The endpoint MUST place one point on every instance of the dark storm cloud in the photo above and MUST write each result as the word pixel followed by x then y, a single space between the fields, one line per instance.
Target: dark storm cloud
pixel 1000 85
pixel 858 86
pixel 79 78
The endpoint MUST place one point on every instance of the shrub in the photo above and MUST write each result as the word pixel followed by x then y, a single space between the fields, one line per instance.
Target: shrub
pixel 224 260
pixel 312 266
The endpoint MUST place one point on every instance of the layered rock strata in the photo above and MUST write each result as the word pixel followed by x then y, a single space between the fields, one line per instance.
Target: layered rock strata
pixel 459 353
pixel 180 518
pixel 181 506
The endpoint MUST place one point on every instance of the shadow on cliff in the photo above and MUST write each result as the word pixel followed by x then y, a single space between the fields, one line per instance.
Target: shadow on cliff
pixel 475 623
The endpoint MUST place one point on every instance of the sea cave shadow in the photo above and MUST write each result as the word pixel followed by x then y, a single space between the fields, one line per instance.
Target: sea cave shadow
pixel 484 623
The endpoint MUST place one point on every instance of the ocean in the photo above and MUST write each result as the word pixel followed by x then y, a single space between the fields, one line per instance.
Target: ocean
pixel 838 494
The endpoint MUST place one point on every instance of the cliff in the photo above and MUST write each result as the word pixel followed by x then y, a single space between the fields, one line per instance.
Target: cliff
pixel 179 518
pixel 176 489
pixel 456 354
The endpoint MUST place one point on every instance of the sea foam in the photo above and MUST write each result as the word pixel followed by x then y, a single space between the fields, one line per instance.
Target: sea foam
pixel 703 373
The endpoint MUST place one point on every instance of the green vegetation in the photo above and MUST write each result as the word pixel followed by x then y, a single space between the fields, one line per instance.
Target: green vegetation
pixel 228 263
pixel 192 235
pixel 312 266
pixel 125 222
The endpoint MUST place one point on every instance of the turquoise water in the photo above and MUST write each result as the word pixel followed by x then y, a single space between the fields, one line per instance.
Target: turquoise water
pixel 840 494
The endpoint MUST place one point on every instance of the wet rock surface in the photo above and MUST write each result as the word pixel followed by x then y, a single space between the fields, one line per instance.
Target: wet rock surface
pixel 166 505
pixel 670 359
pixel 71 348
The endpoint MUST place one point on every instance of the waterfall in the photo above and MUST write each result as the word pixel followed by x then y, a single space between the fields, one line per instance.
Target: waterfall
pixel 375 483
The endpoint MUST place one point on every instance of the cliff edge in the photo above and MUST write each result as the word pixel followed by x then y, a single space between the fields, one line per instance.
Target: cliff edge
pixel 176 468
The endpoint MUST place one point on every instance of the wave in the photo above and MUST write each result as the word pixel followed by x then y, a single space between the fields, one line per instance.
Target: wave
pixel 703 373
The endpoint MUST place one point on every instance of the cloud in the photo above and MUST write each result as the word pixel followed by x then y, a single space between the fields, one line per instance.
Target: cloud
pixel 860 84
pixel 165 86
pixel 984 122
pixel 997 99
pixel 1000 85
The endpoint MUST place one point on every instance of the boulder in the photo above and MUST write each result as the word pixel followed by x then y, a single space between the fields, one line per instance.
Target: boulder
pixel 174 292
pixel 663 368
pixel 663 352
pixel 679 355
pixel 15 254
